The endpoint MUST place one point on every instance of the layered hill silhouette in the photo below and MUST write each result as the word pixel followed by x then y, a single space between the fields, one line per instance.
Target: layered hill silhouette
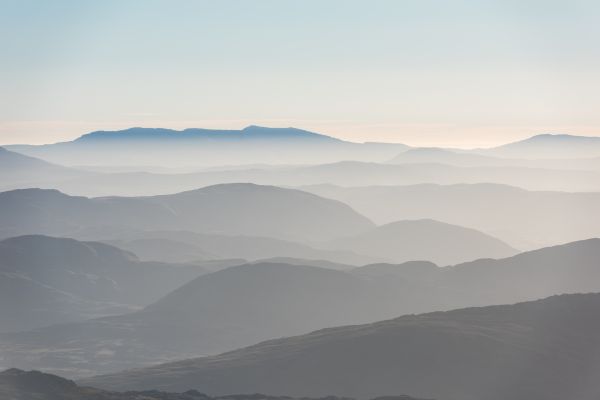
pixel 246 304
pixel 421 155
pixel 466 158
pixel 204 147
pixel 543 162
pixel 256 144
pixel 542 350
pixel 235 209
pixel 230 308
pixel 344 173
pixel 524 219
pixel 185 246
pixel 49 280
pixel 18 170
pixel 17 384
pixel 550 146
pixel 425 239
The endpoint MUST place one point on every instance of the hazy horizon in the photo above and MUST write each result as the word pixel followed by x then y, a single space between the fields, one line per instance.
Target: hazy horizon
pixel 299 200
pixel 456 74
pixel 241 127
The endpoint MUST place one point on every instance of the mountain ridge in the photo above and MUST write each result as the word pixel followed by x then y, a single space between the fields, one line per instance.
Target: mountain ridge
pixel 236 208
pixel 496 345
pixel 245 304
pixel 248 133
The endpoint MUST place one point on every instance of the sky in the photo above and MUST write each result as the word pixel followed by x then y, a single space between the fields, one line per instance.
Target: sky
pixel 422 72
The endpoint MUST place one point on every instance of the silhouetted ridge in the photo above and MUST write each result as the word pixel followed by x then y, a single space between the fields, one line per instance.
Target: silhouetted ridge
pixel 541 350
pixel 246 304
pixel 229 209
pixel 248 133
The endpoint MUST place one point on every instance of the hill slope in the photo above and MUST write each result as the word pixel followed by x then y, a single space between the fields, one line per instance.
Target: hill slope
pixel 18 170
pixel 524 219
pixel 550 146
pixel 429 240
pixel 183 246
pixel 242 305
pixel 51 280
pixel 542 350
pixel 224 209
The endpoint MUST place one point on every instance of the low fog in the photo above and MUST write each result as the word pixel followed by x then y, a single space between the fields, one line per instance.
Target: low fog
pixel 291 263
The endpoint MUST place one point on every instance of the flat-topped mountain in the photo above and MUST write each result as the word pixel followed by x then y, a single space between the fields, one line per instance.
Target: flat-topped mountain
pixel 249 133
pixel 346 173
pixel 206 147
pixel 16 384
pixel 234 209
pixel 542 350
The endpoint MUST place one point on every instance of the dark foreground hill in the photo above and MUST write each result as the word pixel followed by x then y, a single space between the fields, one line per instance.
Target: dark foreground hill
pixel 541 350
pixel 16 384
pixel 246 304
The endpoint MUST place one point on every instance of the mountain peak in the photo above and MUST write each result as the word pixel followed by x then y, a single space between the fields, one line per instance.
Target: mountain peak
pixel 249 132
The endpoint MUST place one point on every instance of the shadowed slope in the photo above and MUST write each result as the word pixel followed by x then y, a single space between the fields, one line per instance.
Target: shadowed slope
pixel 242 305
pixel 542 350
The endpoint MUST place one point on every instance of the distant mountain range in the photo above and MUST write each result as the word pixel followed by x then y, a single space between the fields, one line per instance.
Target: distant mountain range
pixel 347 173
pixel 255 144
pixel 542 350
pixel 415 166
pixel 245 304
pixel 250 133
pixel 205 147
pixel 17 384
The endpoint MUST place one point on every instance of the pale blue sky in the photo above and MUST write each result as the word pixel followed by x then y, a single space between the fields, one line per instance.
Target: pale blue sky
pixel 463 73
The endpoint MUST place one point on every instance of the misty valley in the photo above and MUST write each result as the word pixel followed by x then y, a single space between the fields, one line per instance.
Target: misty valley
pixel 154 264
